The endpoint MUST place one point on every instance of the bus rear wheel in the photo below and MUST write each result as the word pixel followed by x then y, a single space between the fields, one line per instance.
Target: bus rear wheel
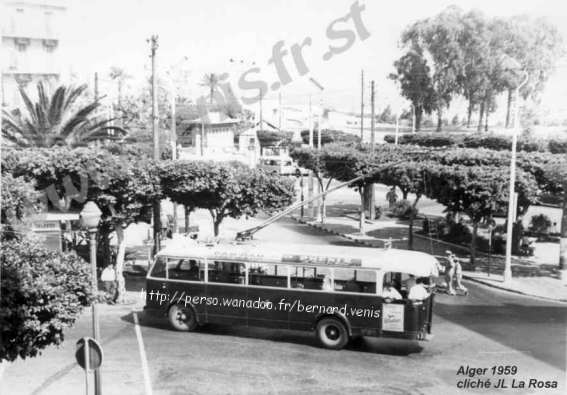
pixel 332 333
pixel 182 318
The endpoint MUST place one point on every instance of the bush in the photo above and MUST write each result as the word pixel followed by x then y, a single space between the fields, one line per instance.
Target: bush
pixel 458 233
pixel 540 224
pixel 403 209
pixel 493 142
pixel 43 293
pixel 557 146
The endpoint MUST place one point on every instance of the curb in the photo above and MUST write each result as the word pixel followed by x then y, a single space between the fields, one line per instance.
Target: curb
pixel 334 232
pixel 467 277
pixel 515 291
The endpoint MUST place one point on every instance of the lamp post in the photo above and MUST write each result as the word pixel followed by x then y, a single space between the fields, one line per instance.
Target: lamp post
pixel 511 200
pixel 90 218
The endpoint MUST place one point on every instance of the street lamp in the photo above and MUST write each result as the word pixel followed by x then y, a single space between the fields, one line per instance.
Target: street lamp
pixel 89 219
pixel 511 198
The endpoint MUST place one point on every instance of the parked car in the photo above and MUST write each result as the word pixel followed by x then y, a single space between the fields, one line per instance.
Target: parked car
pixel 282 165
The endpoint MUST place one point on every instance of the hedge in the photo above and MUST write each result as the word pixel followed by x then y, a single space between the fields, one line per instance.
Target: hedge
pixel 482 140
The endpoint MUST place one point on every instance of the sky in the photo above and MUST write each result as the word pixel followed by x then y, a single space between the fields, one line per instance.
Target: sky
pixel 202 37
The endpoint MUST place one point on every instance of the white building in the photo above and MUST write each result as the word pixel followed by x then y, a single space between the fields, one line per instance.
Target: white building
pixel 30 45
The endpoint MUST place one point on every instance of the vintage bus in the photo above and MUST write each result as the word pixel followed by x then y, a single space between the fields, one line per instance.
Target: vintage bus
pixel 336 291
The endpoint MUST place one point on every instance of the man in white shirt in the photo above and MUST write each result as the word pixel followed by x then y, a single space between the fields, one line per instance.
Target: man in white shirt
pixel 389 292
pixel 416 291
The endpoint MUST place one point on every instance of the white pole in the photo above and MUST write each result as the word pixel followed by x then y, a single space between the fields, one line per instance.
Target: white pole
pixel 511 197
pixel 397 128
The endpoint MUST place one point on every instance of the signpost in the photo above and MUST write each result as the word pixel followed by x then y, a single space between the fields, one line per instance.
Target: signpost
pixel 88 356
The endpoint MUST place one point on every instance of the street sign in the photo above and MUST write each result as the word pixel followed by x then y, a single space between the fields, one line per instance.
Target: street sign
pixel 90 357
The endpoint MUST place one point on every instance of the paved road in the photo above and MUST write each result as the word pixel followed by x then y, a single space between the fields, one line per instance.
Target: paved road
pixel 485 329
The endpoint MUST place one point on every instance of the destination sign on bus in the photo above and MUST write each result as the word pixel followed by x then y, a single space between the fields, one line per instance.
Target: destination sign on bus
pixel 321 260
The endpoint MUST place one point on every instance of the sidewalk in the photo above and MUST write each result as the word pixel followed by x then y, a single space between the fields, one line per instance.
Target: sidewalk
pixel 529 278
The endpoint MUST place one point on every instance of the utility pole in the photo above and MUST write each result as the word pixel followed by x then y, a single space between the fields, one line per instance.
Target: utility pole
pixel 280 111
pixel 361 105
pixel 174 149
pixel 372 120
pixel 96 87
pixel 371 203
pixel 511 202
pixel 310 206
pixel 153 40
pixel 261 114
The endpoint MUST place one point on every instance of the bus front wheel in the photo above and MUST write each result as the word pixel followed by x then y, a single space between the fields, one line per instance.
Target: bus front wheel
pixel 332 333
pixel 182 318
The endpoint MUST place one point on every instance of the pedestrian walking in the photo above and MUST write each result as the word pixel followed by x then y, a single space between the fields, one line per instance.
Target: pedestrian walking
pixel 108 278
pixel 392 197
pixel 450 272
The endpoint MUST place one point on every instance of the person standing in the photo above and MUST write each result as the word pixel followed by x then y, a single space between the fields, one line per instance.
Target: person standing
pixel 392 197
pixel 108 278
pixel 450 272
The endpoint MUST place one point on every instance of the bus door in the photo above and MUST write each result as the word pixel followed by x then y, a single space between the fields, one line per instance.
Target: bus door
pixel 156 285
pixel 226 292
pixel 268 293
pixel 186 283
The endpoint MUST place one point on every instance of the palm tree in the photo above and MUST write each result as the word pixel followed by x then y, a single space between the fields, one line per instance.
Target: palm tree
pixel 119 75
pixel 55 120
pixel 211 80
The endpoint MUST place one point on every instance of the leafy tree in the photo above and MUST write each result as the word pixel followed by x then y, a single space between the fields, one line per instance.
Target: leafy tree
pixel 43 293
pixel 54 120
pixel 410 177
pixel 271 138
pixel 224 190
pixel 124 190
pixel 437 38
pixel 19 199
pixel 478 192
pixel 413 75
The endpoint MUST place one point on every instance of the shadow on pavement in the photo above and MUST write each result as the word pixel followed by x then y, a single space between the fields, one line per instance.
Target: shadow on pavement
pixel 368 345
pixel 511 323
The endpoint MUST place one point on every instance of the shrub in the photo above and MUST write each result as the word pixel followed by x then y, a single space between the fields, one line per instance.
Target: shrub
pixel 493 142
pixel 540 223
pixel 403 209
pixel 43 293
pixel 557 146
pixel 458 233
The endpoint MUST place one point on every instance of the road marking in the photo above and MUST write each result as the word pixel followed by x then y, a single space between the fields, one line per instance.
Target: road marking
pixel 145 370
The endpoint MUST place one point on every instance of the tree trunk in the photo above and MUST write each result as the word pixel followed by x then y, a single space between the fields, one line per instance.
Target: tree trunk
pixel 216 225
pixel 361 221
pixel 473 242
pixel 480 117
pixel 120 282
pixel 469 113
pixel 508 108
pixel 418 116
pixel 439 119
pixel 411 219
pixel 487 113
pixel 187 212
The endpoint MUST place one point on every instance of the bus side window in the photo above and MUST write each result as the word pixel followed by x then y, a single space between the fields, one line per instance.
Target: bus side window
pixel 351 280
pixel 159 267
pixel 305 277
pixel 267 275
pixel 184 269
pixel 227 272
